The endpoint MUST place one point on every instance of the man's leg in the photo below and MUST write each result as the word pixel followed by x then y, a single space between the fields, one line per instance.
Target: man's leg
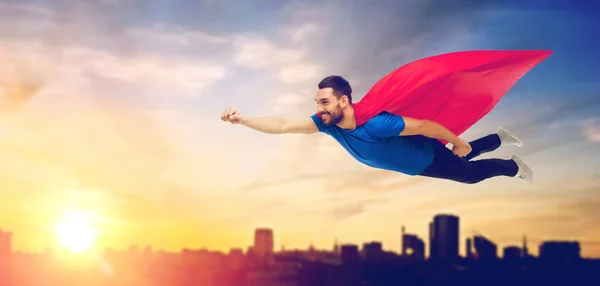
pixel 483 145
pixel 448 166
pixel 492 142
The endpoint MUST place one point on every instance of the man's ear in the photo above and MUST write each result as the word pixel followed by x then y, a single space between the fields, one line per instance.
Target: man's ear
pixel 345 100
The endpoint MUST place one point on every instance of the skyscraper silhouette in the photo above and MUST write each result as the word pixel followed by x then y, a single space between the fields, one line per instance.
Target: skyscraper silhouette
pixel 444 237
pixel 412 246
pixel 5 243
pixel 469 248
pixel 263 242
pixel 485 248
pixel 525 250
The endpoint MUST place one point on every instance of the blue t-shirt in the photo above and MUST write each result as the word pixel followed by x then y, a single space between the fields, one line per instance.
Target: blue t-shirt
pixel 377 143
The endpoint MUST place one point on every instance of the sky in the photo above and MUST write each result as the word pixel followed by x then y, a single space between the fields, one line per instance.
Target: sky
pixel 112 108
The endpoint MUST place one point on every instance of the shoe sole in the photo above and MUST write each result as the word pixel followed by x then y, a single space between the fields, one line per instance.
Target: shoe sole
pixel 528 169
pixel 519 142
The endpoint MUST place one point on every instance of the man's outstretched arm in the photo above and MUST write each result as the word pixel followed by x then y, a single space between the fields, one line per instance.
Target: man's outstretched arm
pixel 271 125
pixel 280 125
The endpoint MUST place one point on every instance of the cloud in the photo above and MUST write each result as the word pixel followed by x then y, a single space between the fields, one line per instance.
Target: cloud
pixel 159 60
pixel 591 129
pixel 552 111
pixel 17 90
pixel 544 122
pixel 568 218
pixel 287 102
pixel 347 210
pixel 259 53
pixel 302 34
pixel 153 75
pixel 301 73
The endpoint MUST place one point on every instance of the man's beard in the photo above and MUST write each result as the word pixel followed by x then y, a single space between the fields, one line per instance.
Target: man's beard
pixel 334 118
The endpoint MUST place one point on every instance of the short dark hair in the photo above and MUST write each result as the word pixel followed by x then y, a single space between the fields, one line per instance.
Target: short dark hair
pixel 339 85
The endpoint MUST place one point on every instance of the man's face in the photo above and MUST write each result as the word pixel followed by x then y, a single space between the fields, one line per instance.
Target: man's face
pixel 329 106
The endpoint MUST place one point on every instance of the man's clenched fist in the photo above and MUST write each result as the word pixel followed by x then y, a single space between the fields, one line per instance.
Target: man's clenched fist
pixel 231 115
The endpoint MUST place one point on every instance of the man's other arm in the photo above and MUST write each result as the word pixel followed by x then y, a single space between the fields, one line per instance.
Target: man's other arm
pixel 429 129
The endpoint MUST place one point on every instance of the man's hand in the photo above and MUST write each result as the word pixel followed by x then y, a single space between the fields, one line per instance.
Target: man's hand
pixel 462 149
pixel 231 115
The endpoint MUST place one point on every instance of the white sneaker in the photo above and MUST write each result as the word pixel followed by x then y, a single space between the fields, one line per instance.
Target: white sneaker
pixel 525 173
pixel 507 138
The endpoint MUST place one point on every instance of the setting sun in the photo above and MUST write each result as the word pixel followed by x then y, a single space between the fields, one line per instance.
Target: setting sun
pixel 76 233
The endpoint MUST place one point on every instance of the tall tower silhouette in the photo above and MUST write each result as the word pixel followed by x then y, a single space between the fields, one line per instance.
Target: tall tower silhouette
pixel 402 232
pixel 444 237
pixel 263 241
pixel 5 250
pixel 525 252
pixel 5 243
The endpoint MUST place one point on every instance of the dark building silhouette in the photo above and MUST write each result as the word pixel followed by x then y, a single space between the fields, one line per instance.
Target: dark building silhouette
pixel 263 242
pixel 349 254
pixel 5 243
pixel 5 251
pixel 372 250
pixel 486 249
pixel 524 249
pixel 444 237
pixel 560 251
pixel 511 254
pixel 413 247
pixel 236 256
pixel 469 248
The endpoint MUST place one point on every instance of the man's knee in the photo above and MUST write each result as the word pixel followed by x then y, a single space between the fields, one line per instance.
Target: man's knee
pixel 466 179
pixel 469 175
pixel 471 181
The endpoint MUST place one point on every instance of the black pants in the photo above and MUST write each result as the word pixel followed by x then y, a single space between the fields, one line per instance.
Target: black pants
pixel 448 166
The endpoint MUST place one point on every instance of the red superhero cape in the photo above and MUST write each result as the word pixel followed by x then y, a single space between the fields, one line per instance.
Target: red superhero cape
pixel 455 90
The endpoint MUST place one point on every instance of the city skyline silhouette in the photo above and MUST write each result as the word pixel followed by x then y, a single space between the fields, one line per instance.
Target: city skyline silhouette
pixel 443 241
pixel 344 264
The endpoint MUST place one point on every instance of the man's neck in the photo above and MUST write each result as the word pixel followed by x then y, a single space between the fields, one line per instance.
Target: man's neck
pixel 349 121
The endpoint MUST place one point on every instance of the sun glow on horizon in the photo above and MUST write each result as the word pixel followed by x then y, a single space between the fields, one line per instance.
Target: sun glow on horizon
pixel 76 232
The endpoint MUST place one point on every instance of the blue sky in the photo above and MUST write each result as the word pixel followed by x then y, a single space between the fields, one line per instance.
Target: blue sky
pixel 136 89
